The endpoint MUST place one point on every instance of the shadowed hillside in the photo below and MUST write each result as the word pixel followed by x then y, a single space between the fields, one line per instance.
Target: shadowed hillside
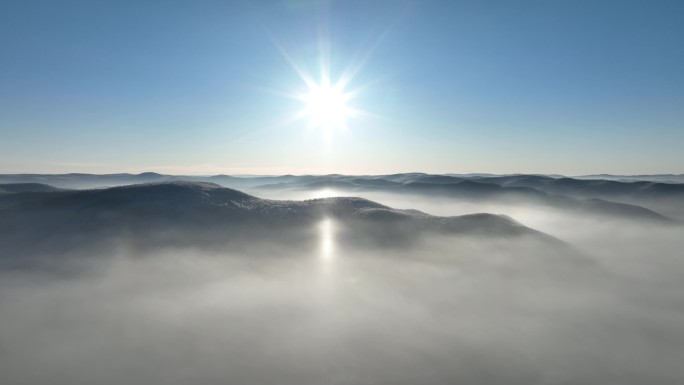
pixel 208 215
pixel 10 188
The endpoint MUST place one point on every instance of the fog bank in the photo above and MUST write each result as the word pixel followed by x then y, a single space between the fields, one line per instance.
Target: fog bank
pixel 343 301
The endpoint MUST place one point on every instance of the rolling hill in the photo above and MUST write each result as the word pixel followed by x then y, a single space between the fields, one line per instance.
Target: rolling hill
pixel 201 214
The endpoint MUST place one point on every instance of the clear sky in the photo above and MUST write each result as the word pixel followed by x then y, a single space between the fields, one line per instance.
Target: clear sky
pixel 205 87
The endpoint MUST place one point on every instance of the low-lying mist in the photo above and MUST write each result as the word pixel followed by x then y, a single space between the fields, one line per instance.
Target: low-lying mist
pixel 606 309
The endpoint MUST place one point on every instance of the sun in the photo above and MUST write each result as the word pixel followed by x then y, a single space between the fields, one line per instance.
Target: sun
pixel 326 105
pixel 329 96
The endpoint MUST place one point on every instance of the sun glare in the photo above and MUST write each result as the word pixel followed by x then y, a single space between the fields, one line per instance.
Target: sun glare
pixel 326 94
pixel 326 106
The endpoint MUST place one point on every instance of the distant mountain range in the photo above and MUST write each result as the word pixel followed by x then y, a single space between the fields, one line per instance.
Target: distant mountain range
pixel 77 180
pixel 595 197
pixel 664 178
pixel 40 221
pixel 639 200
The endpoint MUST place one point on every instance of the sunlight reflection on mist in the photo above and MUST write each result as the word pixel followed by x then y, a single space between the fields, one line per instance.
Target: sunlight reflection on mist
pixel 326 193
pixel 327 239
pixel 326 259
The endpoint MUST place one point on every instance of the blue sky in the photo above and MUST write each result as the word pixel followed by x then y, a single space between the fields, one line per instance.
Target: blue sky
pixel 203 87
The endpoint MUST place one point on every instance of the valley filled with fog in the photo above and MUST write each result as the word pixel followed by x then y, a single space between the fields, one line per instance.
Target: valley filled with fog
pixel 290 281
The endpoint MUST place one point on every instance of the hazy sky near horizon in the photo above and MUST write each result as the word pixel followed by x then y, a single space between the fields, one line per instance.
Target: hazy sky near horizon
pixel 200 87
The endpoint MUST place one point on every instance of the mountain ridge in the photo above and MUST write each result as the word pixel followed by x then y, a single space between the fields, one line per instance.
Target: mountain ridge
pixel 202 214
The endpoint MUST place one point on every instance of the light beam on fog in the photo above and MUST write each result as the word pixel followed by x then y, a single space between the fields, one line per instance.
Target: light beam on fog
pixel 326 264
pixel 326 193
pixel 327 239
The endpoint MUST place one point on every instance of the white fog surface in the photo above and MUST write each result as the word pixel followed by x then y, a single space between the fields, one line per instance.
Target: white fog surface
pixel 449 310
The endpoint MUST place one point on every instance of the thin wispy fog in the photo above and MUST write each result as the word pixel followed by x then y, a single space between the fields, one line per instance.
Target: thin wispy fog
pixel 600 304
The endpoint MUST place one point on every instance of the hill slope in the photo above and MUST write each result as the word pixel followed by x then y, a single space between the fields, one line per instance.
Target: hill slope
pixel 191 213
